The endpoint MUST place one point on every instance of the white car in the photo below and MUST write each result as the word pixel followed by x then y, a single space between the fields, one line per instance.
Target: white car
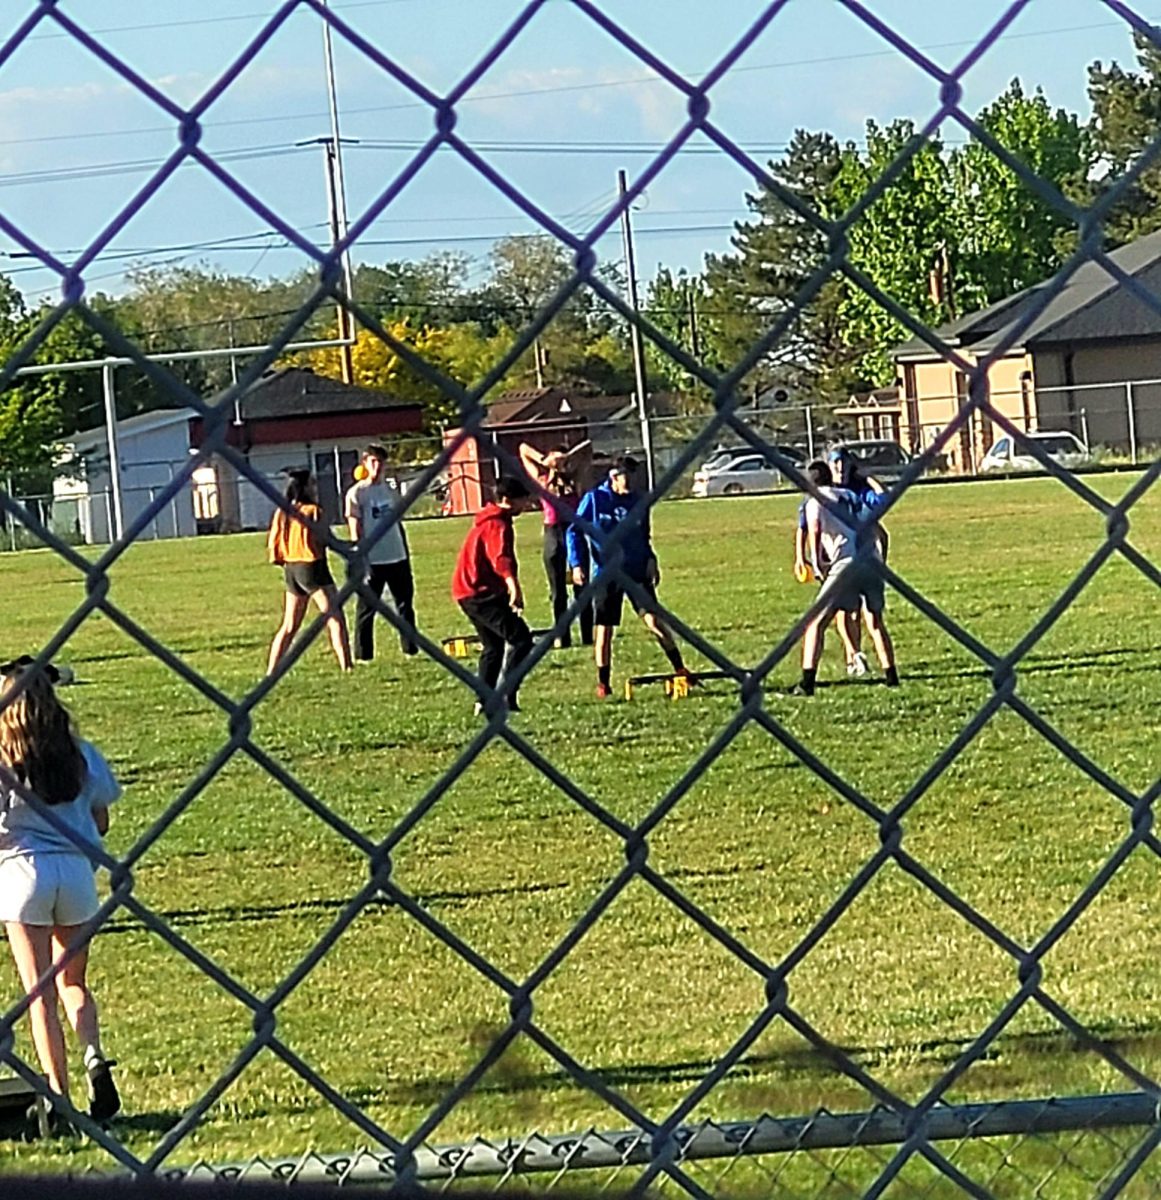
pixel 1007 454
pixel 736 474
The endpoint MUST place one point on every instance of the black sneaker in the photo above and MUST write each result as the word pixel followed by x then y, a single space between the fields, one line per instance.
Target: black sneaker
pixel 104 1099
pixel 801 689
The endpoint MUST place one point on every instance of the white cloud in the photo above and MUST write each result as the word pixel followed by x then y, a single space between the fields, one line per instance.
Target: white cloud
pixel 528 99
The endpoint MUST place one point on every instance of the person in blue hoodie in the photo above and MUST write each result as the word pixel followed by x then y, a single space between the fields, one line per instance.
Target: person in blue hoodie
pixel 605 507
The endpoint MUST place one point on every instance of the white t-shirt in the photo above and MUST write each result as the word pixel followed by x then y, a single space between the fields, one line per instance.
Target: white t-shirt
pixel 370 503
pixel 837 530
pixel 24 832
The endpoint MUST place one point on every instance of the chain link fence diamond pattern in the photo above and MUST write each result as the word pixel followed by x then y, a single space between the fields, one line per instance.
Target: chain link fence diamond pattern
pixel 1098 1145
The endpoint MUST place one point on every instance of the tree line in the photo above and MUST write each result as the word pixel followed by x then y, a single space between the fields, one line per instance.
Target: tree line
pixel 955 229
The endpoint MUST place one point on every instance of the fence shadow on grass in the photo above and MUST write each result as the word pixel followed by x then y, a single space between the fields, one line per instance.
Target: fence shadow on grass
pixel 514 1075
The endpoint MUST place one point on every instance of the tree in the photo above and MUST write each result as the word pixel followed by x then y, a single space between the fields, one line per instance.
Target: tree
pixel 1126 121
pixel 1007 236
pixel 37 411
pixel 527 272
pixel 761 283
pixel 432 290
pixel 903 242
pixel 458 352
pixel 195 308
pixel 671 305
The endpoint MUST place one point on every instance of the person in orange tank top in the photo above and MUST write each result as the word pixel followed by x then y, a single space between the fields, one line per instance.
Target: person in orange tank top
pixel 294 547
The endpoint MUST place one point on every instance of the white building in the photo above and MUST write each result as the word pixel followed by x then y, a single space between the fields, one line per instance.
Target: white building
pixel 290 417
pixel 152 448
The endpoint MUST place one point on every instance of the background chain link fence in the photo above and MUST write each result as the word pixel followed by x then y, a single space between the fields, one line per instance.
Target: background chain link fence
pixel 1087 1145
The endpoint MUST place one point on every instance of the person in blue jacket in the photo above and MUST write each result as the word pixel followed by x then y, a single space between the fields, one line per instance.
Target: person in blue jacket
pixel 605 507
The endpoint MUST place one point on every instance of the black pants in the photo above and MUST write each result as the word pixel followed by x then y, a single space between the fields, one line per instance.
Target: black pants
pixel 501 632
pixel 397 577
pixel 556 568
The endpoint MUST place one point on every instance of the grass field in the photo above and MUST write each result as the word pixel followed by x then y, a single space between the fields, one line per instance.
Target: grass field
pixel 392 1018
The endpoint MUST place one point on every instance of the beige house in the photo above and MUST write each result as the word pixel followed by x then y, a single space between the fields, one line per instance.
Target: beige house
pixel 1089 362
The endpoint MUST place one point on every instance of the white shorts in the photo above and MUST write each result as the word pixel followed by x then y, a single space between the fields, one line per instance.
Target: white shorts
pixel 48 889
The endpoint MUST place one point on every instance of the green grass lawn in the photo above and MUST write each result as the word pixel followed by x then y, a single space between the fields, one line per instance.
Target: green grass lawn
pixel 392 1018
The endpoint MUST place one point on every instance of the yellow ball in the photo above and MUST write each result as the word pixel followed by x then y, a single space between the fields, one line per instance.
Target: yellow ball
pixel 360 473
pixel 804 574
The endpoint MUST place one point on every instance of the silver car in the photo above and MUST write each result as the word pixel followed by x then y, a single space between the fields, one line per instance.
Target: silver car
pixel 1007 454
pixel 735 475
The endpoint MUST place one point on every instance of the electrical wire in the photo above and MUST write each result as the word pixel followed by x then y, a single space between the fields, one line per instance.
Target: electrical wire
pixel 557 89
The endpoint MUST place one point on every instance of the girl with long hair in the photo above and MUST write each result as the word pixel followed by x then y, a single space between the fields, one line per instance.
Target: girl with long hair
pixel 48 888
pixel 296 549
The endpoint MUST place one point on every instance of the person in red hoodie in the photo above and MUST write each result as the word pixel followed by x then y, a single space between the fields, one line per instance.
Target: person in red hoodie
pixel 486 585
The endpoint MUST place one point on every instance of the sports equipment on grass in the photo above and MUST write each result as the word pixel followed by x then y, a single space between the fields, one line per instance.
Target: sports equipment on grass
pixel 676 684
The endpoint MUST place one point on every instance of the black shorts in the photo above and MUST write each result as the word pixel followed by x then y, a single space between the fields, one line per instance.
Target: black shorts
pixel 304 579
pixel 607 607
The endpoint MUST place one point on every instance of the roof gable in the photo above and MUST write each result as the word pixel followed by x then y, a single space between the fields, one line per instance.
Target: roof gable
pixel 1091 305
pixel 146 422
pixel 300 392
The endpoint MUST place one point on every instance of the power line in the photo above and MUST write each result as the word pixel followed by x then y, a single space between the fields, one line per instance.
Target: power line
pixel 220 20
pixel 596 85
pixel 236 246
pixel 134 166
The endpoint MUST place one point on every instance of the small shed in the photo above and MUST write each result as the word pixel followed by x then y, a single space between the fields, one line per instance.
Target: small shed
pixel 152 448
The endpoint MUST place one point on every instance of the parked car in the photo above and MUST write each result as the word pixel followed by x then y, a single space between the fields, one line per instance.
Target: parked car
pixel 735 475
pixel 722 457
pixel 884 459
pixel 1007 454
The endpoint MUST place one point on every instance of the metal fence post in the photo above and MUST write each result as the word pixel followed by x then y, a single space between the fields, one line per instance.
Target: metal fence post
pixel 809 433
pixel 110 397
pixel 1129 408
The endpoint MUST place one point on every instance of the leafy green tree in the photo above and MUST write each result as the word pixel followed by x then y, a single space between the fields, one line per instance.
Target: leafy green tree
pixel 433 290
pixel 906 234
pixel 37 411
pixel 1006 235
pixel 671 305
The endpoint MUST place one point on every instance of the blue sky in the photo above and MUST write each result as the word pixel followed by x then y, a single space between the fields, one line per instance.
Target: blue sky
pixel 557 114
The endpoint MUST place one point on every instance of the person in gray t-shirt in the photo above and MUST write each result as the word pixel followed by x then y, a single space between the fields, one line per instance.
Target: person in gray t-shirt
pixel 388 563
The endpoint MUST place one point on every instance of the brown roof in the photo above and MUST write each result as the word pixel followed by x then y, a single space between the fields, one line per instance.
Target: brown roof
pixel 299 392
pixel 556 404
pixel 528 404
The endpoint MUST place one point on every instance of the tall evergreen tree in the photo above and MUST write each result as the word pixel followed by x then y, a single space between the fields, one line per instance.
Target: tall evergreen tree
pixel 775 255
pixel 1126 121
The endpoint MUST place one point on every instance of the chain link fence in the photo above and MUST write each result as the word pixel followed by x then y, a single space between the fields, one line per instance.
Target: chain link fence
pixel 1100 1141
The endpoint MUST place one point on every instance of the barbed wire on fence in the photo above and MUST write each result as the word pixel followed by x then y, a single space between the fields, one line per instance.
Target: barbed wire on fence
pixel 897 1138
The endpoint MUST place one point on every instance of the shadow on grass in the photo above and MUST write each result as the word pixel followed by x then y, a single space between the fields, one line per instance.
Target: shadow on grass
pixel 146 1122
pixel 1118 657
pixel 272 912
pixel 209 917
pixel 513 1074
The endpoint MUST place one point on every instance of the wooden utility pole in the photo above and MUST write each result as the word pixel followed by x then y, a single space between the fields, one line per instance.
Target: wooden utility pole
pixel 635 333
